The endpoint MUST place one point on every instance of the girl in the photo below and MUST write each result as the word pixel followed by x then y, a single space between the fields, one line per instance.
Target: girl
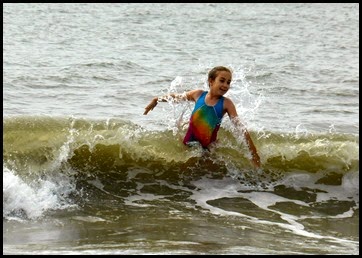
pixel 209 109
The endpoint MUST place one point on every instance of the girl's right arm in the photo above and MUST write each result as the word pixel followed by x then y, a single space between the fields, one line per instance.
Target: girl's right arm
pixel 190 95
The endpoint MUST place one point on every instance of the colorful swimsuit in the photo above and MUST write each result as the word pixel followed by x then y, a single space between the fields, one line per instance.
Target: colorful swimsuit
pixel 204 122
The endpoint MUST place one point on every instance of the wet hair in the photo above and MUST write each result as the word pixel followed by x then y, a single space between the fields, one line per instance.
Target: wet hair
pixel 215 71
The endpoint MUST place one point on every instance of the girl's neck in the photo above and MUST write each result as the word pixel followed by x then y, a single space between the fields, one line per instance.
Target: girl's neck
pixel 211 99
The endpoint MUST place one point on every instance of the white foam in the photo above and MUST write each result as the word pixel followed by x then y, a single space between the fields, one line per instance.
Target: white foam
pixel 22 200
pixel 211 189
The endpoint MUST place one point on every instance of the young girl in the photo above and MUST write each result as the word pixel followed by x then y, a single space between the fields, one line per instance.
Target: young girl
pixel 209 109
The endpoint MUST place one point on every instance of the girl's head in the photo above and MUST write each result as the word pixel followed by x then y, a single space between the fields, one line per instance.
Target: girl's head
pixel 219 80
pixel 214 72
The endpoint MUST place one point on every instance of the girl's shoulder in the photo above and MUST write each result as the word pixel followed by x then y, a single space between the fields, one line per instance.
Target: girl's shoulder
pixel 194 94
pixel 228 103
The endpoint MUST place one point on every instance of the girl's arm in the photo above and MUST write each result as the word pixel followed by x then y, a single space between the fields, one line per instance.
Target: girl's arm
pixel 231 110
pixel 254 154
pixel 190 95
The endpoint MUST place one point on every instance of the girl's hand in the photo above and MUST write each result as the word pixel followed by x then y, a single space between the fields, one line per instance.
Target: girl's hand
pixel 151 106
pixel 256 160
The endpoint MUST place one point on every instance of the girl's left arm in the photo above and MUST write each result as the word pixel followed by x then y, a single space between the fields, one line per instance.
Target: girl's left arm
pixel 231 110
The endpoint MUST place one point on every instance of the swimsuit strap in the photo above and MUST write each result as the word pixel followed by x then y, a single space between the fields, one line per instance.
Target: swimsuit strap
pixel 219 107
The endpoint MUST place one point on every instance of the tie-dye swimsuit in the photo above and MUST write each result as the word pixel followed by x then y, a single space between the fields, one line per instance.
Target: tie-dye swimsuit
pixel 204 122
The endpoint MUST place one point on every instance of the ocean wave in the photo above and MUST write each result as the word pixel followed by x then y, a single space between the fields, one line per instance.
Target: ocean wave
pixel 66 162
pixel 42 143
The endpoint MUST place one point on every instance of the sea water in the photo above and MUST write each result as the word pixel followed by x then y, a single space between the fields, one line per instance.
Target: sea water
pixel 85 172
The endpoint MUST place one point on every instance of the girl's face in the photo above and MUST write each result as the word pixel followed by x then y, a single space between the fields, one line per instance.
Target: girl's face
pixel 221 84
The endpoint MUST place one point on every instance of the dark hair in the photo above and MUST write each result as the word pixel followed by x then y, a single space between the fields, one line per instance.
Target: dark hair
pixel 214 72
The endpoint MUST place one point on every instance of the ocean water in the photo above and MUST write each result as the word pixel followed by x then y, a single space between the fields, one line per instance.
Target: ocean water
pixel 85 172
